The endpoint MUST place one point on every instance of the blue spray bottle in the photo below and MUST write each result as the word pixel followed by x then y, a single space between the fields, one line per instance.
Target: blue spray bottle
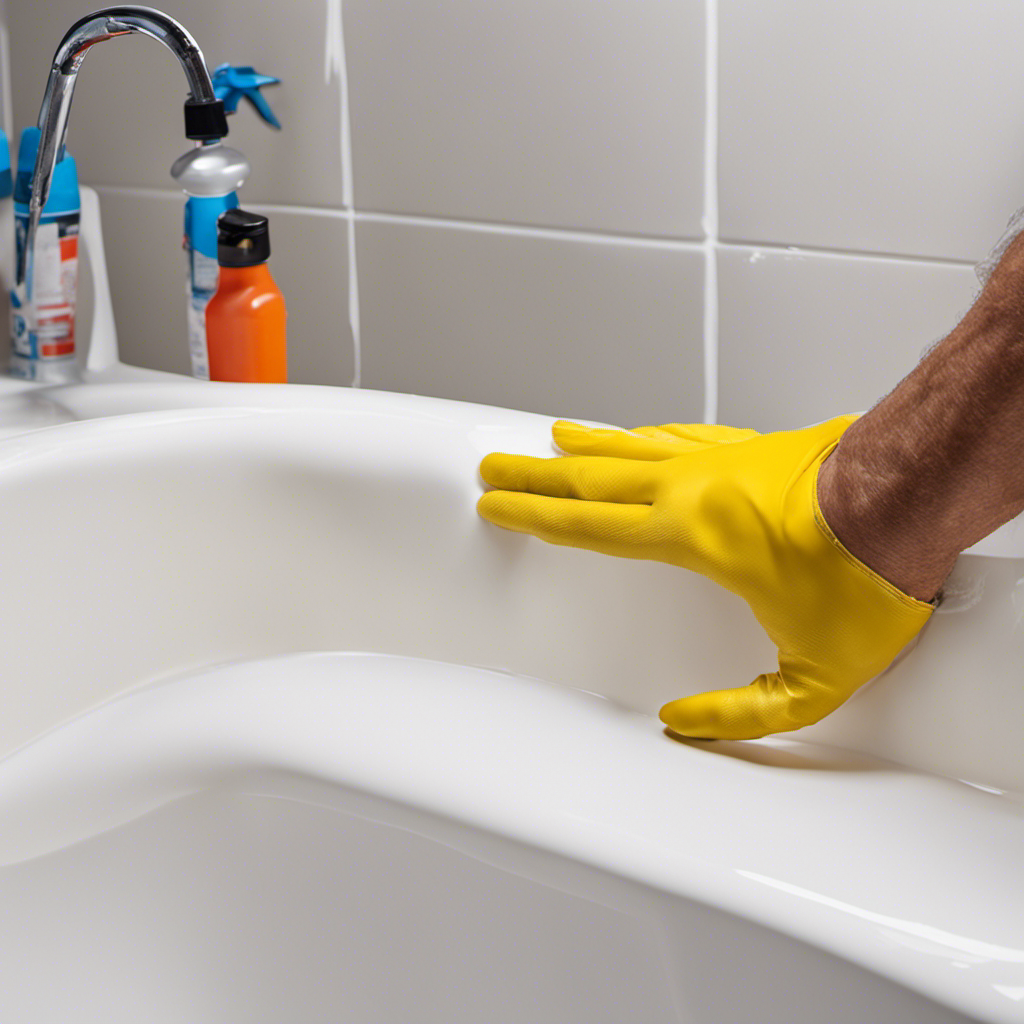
pixel 6 181
pixel 43 312
pixel 6 214
pixel 210 175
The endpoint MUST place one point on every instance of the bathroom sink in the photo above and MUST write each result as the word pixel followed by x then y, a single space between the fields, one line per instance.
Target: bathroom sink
pixel 288 732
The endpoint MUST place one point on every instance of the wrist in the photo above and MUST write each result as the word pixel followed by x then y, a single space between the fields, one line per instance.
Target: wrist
pixel 874 519
pixel 935 465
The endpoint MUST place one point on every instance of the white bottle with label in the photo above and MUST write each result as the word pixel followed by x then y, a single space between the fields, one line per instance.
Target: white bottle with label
pixel 43 310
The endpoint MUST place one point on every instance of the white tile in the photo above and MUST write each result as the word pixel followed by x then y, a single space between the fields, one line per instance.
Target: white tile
pixel 601 330
pixel 142 234
pixel 146 266
pixel 309 261
pixel 585 114
pixel 803 337
pixel 127 126
pixel 871 125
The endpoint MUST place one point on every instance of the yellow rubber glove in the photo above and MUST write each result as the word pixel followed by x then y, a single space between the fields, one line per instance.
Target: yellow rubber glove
pixel 742 509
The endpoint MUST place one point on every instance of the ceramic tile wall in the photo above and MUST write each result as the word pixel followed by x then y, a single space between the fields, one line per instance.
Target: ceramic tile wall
pixel 579 128
pixel 853 326
pixel 867 127
pixel 576 327
pixel 587 114
pixel 524 188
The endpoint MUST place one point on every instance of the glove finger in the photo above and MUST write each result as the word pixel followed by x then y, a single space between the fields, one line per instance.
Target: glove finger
pixel 660 434
pixel 591 478
pixel 708 433
pixel 609 528
pixel 767 705
pixel 622 444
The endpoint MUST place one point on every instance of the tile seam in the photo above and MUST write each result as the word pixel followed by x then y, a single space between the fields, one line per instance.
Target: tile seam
pixel 336 35
pixel 528 230
pixel 170 194
pixel 425 220
pixel 709 221
pixel 566 234
pixel 783 248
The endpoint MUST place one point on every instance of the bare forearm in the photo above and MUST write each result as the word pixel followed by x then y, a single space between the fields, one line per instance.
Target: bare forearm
pixel 939 462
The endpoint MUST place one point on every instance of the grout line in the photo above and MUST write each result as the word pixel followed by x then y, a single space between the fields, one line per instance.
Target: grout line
pixel 682 244
pixel 170 194
pixel 336 61
pixel 140 191
pixel 710 218
pixel 308 211
pixel 354 322
pixel 426 220
pixel 333 51
pixel 528 230
pixel 710 333
pixel 846 254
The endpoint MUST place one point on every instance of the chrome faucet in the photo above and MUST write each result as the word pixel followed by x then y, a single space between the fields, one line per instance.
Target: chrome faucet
pixel 204 113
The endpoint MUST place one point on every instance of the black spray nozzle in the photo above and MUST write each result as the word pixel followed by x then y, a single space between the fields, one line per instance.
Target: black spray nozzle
pixel 205 120
pixel 243 239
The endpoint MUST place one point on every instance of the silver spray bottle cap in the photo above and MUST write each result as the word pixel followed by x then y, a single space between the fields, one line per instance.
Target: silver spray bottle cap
pixel 212 169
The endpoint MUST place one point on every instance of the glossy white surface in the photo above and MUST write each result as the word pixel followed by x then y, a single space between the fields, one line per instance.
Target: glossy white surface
pixel 399 465
pixel 869 125
pixel 245 522
pixel 547 783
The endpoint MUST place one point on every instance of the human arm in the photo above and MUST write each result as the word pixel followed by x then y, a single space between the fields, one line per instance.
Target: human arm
pixel 939 462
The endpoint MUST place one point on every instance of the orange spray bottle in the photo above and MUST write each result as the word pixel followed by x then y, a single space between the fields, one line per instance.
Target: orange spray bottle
pixel 245 319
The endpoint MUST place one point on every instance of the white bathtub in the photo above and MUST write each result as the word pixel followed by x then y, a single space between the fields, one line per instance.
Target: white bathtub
pixel 480 820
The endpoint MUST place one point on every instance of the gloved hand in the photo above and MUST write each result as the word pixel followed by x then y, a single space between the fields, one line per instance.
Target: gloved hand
pixel 742 509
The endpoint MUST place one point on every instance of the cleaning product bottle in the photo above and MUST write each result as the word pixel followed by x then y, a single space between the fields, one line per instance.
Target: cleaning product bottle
pixel 6 181
pixel 245 319
pixel 210 175
pixel 6 215
pixel 43 312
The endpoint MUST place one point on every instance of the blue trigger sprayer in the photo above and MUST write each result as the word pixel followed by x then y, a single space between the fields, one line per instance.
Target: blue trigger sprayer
pixel 210 175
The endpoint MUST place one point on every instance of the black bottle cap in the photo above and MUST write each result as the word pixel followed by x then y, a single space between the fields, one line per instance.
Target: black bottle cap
pixel 243 239
pixel 205 120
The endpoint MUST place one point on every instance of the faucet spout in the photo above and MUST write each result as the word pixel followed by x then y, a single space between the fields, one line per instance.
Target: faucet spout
pixel 204 113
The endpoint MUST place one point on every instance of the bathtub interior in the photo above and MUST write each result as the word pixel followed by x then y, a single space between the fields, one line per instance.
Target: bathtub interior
pixel 231 905
pixel 154 544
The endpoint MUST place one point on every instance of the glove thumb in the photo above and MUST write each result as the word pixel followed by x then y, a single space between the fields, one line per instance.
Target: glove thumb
pixel 767 705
